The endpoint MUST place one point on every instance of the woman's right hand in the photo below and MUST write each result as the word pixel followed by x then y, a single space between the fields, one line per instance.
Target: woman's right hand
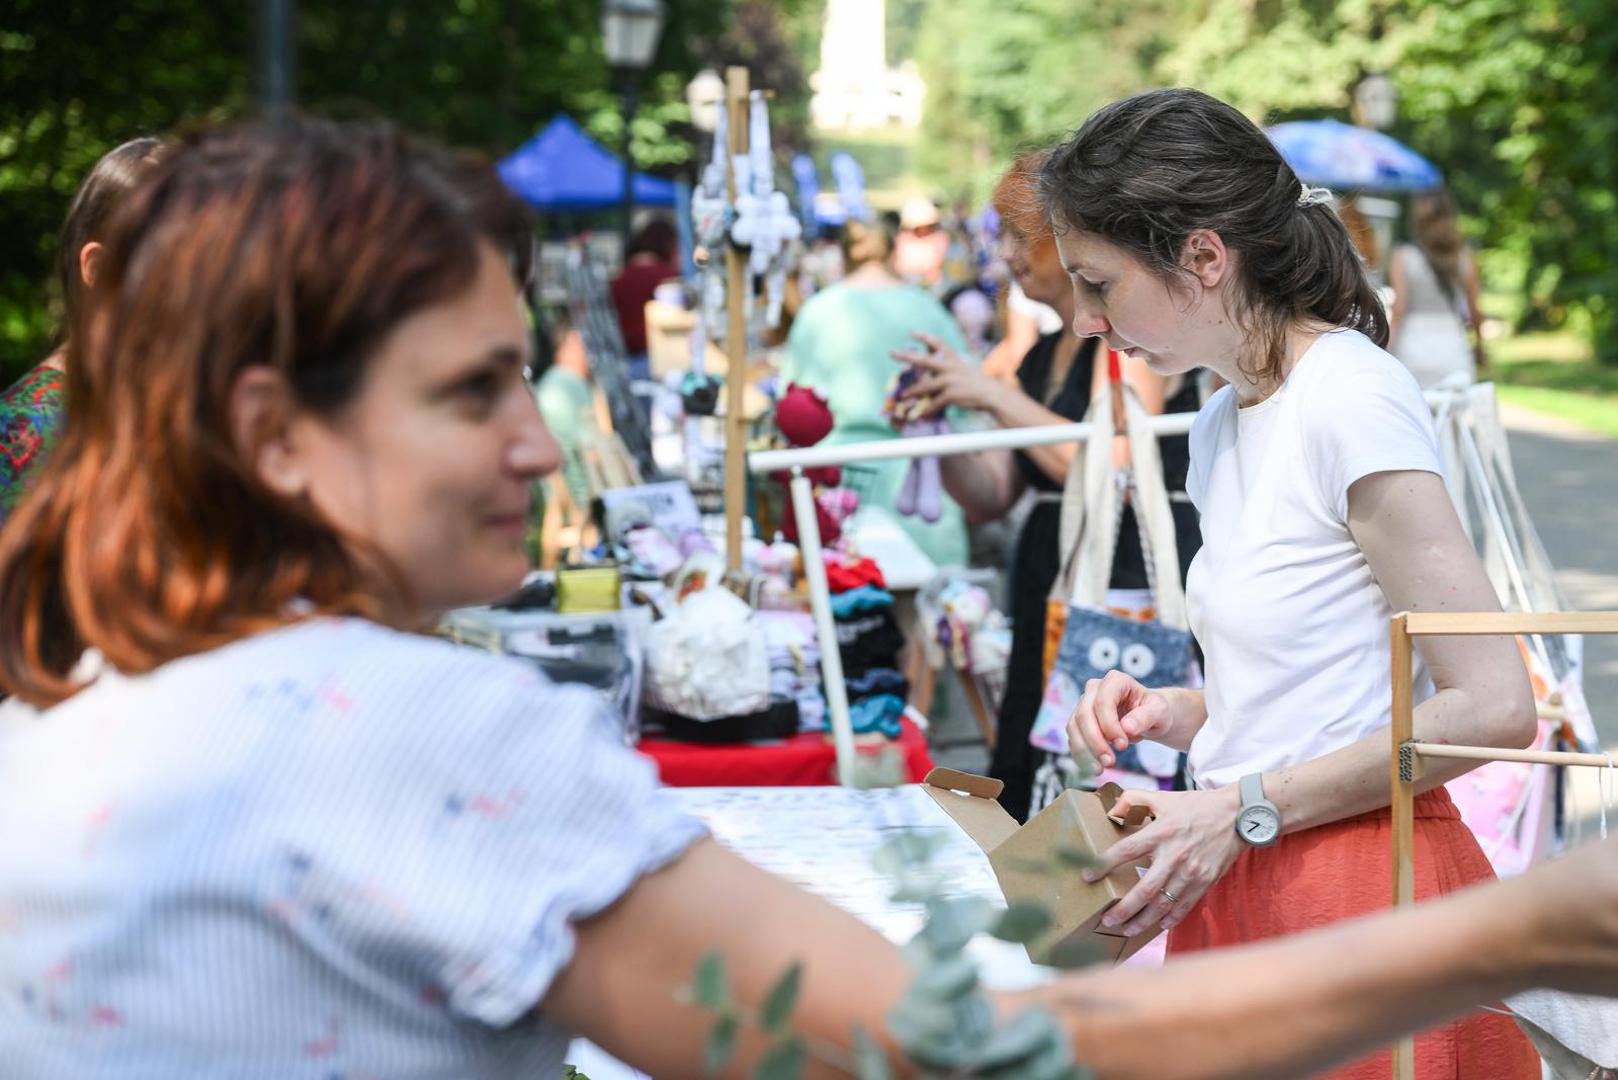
pixel 947 380
pixel 1115 711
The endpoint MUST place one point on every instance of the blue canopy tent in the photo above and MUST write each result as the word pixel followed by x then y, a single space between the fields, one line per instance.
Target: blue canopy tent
pixel 562 170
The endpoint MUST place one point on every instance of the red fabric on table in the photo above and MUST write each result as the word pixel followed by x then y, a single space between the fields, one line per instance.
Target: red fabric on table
pixel 802 761
pixel 843 576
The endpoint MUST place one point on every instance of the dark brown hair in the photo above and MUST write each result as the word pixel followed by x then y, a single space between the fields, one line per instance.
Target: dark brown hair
pixel 865 242
pixel 107 184
pixel 1146 172
pixel 296 247
pixel 1433 226
pixel 656 237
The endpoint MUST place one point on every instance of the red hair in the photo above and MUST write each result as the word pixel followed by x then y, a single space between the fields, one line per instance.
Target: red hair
pixel 1016 200
pixel 295 246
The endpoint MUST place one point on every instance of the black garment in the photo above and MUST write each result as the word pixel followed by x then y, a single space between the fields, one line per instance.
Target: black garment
pixel 1037 557
pixel 871 639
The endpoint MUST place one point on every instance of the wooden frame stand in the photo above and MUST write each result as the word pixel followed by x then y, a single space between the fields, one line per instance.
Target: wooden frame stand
pixel 1408 754
pixel 737 299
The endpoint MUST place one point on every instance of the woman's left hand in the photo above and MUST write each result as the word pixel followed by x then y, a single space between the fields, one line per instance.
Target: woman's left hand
pixel 948 381
pixel 1190 846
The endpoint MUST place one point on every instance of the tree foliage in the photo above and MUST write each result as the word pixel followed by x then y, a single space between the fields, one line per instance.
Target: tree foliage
pixel 1516 100
pixel 79 76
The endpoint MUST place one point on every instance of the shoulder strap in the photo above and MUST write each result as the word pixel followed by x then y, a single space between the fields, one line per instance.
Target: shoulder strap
pixel 1087 506
pixel 1154 516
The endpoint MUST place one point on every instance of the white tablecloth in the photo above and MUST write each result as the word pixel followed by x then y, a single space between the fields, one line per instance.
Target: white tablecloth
pixel 823 838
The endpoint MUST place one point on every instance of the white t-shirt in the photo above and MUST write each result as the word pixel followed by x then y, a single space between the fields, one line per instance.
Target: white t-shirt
pixel 1292 623
pixel 326 850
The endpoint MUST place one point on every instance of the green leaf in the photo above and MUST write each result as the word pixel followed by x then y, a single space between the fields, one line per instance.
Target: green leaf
pixel 711 989
pixel 782 999
pixel 953 922
pixel 1071 954
pixel 1076 857
pixel 1024 1036
pixel 721 1044
pixel 907 849
pixel 945 980
pixel 870 1063
pixel 784 1061
pixel 1022 922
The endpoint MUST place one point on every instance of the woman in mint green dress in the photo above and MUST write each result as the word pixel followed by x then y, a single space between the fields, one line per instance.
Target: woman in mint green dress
pixel 840 345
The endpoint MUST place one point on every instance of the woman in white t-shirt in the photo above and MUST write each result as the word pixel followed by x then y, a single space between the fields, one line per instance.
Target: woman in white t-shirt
pixel 1191 243
pixel 256 825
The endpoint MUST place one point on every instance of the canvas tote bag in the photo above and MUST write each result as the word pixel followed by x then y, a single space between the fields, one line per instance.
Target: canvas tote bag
pixel 1090 637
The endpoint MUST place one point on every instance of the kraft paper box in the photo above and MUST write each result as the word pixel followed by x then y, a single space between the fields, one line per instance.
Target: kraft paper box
pixel 1076 821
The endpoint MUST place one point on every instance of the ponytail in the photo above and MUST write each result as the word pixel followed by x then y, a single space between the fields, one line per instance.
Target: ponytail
pixel 1146 172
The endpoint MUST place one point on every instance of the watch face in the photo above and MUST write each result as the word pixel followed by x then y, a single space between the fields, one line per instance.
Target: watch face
pixel 1258 825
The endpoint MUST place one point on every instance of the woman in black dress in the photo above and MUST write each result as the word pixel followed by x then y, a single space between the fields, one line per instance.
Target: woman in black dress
pixel 1054 385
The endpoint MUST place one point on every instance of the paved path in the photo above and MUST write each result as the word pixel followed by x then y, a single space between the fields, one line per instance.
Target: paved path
pixel 1569 479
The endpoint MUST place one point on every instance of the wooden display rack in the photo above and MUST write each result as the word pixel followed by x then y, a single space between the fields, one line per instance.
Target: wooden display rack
pixel 1408 753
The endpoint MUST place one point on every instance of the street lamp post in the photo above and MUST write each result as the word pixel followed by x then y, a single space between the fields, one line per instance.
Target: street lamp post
pixel 1376 102
pixel 705 96
pixel 629 31
pixel 277 56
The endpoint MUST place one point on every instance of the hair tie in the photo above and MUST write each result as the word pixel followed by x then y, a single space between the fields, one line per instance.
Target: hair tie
pixel 1313 196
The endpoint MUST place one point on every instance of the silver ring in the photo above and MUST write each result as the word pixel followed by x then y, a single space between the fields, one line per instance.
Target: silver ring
pixel 1172 898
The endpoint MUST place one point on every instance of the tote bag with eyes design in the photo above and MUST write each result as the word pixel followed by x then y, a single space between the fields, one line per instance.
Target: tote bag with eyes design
pixel 1095 639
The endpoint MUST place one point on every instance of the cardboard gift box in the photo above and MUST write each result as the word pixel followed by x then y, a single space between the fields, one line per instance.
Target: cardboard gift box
pixel 1025 858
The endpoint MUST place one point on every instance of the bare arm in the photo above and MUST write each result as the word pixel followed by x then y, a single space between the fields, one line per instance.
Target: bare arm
pixel 986 484
pixel 1406 525
pixel 632 960
pixel 1413 542
pixel 1006 357
pixel 1334 993
pixel 1297 1005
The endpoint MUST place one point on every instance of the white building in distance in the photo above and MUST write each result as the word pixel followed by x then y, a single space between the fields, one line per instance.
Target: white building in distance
pixel 855 89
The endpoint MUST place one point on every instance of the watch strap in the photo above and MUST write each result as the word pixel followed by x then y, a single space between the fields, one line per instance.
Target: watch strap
pixel 1252 789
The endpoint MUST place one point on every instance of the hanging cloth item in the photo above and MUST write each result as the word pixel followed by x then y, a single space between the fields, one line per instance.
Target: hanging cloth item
pixel 710 227
pixel 765 223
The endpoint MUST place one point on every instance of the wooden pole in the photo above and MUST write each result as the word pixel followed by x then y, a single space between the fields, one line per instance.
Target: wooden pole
pixel 737 300
pixel 1533 757
pixel 1406 766
pixel 1404 1051
pixel 1439 623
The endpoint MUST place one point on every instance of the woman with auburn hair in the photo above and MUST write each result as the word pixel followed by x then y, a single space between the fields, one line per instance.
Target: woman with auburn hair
pixel 1056 382
pixel 258 826
pixel 1191 243
pixel 1435 326
pixel 31 408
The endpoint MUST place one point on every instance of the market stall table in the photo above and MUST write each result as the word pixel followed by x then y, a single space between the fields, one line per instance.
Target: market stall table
pixel 803 760
pixel 823 839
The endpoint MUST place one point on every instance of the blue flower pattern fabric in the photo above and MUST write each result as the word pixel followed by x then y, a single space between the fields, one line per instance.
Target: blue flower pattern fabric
pixel 331 850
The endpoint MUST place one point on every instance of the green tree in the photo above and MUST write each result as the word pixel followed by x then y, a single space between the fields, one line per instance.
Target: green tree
pixel 1004 76
pixel 1515 100
pixel 77 77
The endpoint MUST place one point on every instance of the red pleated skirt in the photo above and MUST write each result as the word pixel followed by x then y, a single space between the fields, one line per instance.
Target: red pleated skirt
pixel 1343 870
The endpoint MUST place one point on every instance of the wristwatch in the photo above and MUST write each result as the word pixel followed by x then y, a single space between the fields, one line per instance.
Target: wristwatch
pixel 1258 822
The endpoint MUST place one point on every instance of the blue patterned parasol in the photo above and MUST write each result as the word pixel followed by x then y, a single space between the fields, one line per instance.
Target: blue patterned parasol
pixel 1348 158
